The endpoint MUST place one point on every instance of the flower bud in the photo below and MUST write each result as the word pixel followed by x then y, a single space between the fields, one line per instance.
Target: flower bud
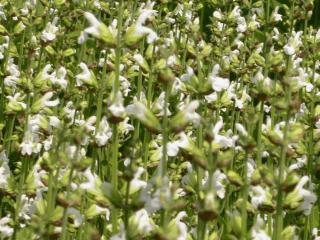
pixel 185 116
pixel 235 178
pixel 99 30
pixel 209 207
pixel 289 233
pixel 290 182
pixel 142 62
pixel 18 28
pixel 145 115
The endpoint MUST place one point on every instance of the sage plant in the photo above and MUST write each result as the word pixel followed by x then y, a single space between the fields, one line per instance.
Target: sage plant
pixel 166 120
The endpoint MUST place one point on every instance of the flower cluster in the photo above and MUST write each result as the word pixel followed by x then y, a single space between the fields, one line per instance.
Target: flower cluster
pixel 166 120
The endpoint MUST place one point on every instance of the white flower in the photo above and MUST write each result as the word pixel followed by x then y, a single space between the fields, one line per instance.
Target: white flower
pixel 138 58
pixel 159 105
pixel 136 184
pixel 251 165
pixel 82 38
pixel 14 72
pixel 236 12
pixel 173 148
pixel 188 75
pixel 258 196
pixel 275 35
pixel 125 127
pixel 299 164
pixel 117 109
pixel 211 97
pixel 293 44
pixel 315 234
pixel 47 143
pixel 183 229
pixel 124 85
pixel 190 114
pixel 49 33
pixel 143 30
pixel 75 152
pixel 217 180
pixel 289 50
pixel 121 235
pixel 31 142
pixel 26 147
pixel 47 102
pixel 44 75
pixel 257 232
pixel 218 83
pixel 241 129
pixel 254 24
pixel 259 78
pixel 171 60
pixel 98 30
pixel 105 211
pixel 16 101
pixel 84 76
pixel 54 121
pixel 141 112
pixel 27 207
pixel 150 198
pixel 218 14
pixel 76 215
pixel 88 126
pixel 142 221
pixel 224 141
pixel 91 180
pixel 242 25
pixel 317 37
pixel 5 229
pixel 97 4
pixel 275 15
pixel 69 110
pixel 4 46
pixel 4 170
pixel 58 78
pixel 308 197
pixel 104 132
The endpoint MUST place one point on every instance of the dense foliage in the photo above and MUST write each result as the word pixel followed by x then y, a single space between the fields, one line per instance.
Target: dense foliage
pixel 166 120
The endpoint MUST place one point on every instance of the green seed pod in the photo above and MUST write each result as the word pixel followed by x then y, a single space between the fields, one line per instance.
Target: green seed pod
pixel 256 177
pixel 131 38
pixel 209 207
pixel 234 178
pixel 224 158
pixel 236 222
pixel 18 28
pixel 288 233
pixel 290 182
pixel 69 52
pixel 166 76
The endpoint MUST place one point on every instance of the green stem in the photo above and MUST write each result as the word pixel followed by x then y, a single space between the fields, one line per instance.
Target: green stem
pixel 245 192
pixel 22 178
pixel 65 216
pixel 244 214
pixel 115 136
pixel 164 159
pixel 147 136
pixel 10 126
pixel 127 209
pixel 278 224
pixel 259 133
pixel 282 162
pixel 139 89
pixel 308 224
pixel 114 175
